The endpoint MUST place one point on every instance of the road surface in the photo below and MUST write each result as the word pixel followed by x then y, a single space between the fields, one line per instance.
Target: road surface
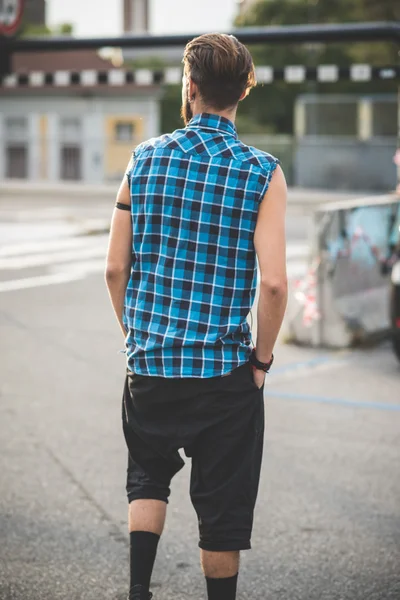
pixel 327 524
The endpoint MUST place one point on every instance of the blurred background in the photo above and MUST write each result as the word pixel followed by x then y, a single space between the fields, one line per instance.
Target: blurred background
pixel 83 132
pixel 327 525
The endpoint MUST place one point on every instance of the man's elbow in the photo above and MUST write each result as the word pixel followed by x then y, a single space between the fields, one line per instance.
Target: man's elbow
pixel 276 287
pixel 115 272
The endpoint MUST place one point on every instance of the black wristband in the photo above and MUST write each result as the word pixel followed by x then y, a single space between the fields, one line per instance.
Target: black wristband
pixel 258 364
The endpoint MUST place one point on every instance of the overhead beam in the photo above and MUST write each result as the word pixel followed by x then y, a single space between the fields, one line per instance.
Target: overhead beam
pixel 291 34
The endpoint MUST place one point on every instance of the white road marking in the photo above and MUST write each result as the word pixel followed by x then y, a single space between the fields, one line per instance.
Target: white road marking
pixel 74 258
pixel 52 245
pixel 86 266
pixel 39 281
pixel 72 272
pixel 39 260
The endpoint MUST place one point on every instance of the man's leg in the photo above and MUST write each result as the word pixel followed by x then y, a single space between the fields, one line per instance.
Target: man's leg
pixel 226 464
pixel 147 485
pixel 221 573
pixel 146 523
pixel 147 515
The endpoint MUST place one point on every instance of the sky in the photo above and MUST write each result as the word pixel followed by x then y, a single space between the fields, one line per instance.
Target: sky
pixel 104 17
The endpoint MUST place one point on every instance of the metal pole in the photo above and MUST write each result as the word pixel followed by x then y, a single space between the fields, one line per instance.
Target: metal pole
pixel 293 34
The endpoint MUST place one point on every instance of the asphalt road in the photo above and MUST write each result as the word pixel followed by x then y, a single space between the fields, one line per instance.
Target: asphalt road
pixel 327 524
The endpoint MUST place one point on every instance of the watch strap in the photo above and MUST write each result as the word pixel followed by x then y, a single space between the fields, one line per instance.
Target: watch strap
pixel 258 364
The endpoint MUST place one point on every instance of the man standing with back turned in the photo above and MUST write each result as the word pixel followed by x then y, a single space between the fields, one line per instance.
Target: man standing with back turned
pixel 193 212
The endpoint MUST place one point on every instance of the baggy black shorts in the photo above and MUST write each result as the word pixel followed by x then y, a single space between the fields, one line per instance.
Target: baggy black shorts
pixel 219 422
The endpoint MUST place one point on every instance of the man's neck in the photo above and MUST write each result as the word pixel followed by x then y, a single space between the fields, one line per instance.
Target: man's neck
pixel 227 114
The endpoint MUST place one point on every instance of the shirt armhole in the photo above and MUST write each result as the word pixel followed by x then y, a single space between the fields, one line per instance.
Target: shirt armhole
pixel 129 168
pixel 273 164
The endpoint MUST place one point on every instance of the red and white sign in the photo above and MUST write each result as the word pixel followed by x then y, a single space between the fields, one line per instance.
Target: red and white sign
pixel 10 16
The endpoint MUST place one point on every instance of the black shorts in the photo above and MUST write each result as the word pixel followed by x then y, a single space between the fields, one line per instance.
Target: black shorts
pixel 219 422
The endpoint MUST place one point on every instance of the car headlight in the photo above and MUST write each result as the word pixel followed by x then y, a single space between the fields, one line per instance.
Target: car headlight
pixel 396 274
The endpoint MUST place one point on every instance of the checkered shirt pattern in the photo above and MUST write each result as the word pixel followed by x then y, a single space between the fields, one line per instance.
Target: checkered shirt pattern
pixel 195 196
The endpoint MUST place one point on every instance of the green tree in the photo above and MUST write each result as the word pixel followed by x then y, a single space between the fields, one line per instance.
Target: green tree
pixel 66 29
pixel 271 106
pixel 30 30
pixel 170 108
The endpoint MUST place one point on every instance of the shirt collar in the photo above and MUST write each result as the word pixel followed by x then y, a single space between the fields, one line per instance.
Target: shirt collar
pixel 212 122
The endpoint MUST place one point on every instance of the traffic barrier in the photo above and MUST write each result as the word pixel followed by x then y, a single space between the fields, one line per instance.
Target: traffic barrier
pixel 344 297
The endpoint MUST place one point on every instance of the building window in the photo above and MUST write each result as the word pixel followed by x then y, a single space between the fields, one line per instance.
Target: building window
pixel 124 131
pixel 384 119
pixel 16 162
pixel 331 117
pixel 71 163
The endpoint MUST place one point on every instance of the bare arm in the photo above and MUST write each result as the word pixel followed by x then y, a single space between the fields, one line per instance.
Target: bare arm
pixel 119 255
pixel 270 245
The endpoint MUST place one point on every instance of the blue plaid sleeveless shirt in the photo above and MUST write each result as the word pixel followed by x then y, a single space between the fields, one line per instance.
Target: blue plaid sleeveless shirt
pixel 195 195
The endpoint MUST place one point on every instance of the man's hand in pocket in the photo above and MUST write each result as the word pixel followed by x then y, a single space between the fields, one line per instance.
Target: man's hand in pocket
pixel 259 377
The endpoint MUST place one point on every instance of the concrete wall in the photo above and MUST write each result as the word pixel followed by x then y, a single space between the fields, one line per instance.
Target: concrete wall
pixel 345 164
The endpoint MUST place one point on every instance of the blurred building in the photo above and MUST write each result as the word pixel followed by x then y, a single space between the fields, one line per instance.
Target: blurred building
pixel 136 16
pixel 136 20
pixel 349 140
pixel 35 12
pixel 72 116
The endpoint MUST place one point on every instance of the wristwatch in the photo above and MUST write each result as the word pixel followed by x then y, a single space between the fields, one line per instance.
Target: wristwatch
pixel 257 364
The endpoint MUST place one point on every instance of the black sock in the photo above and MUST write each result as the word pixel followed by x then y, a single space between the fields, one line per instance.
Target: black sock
pixel 143 550
pixel 222 589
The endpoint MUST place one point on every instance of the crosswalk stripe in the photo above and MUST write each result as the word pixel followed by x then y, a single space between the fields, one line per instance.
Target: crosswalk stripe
pixel 72 272
pixel 51 245
pixel 41 260
pixel 72 259
pixel 39 281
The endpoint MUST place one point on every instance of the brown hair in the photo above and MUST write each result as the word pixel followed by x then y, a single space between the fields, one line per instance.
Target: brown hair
pixel 221 67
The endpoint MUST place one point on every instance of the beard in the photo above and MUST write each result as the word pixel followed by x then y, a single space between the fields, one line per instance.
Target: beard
pixel 186 111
